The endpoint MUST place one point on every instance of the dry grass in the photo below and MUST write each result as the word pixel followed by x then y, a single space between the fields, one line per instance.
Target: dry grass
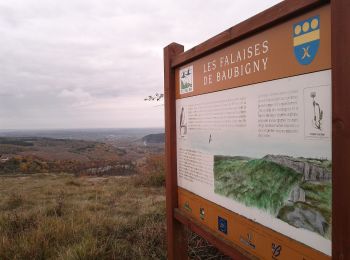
pixel 65 217
pixel 200 249
pixel 48 216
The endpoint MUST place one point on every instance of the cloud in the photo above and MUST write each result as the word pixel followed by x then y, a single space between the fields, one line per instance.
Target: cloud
pixel 73 63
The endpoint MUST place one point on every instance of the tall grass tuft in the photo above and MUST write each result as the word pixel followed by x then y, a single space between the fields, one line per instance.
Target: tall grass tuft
pixel 101 218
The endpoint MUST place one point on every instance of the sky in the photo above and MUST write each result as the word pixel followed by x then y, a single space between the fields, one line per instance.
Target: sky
pixel 91 63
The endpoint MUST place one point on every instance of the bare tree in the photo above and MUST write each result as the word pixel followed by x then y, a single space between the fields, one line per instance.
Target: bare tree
pixel 155 97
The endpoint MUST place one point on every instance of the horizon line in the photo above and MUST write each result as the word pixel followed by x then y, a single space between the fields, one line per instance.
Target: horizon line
pixel 84 128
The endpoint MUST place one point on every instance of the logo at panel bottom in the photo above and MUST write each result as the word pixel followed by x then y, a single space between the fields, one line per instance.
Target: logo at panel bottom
pixel 276 250
pixel 222 225
pixel 248 240
pixel 187 206
pixel 201 213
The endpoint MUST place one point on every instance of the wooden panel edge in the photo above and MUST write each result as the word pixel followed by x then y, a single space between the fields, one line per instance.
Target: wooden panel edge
pixel 340 11
pixel 274 15
pixel 176 244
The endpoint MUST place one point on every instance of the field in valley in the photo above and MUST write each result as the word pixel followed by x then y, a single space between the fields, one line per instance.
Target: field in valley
pixel 80 157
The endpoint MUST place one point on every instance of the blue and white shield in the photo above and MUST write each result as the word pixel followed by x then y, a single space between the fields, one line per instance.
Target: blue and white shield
pixel 306 39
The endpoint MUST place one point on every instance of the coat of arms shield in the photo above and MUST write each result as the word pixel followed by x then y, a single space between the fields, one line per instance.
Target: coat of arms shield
pixel 306 39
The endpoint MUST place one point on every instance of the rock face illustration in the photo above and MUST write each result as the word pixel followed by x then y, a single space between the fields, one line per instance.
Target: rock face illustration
pixel 295 190
pixel 311 172
pixel 297 194
pixel 306 218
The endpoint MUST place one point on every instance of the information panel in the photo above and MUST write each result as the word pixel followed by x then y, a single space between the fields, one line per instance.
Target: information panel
pixel 253 122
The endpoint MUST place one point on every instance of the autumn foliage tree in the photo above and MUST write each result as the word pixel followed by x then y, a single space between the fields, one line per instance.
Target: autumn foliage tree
pixel 152 171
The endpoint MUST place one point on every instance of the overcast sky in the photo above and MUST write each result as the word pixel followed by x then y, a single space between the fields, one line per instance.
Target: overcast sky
pixel 91 63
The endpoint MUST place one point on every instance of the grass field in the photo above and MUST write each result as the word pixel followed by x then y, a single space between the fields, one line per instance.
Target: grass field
pixel 47 216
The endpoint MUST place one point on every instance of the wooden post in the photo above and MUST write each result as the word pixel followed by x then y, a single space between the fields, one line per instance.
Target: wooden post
pixel 176 241
pixel 340 11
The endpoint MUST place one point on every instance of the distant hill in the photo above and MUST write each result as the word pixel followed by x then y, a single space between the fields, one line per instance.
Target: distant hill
pixel 84 134
pixel 154 139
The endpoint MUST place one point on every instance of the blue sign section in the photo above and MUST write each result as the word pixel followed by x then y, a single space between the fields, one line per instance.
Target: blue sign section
pixel 306 39
pixel 222 225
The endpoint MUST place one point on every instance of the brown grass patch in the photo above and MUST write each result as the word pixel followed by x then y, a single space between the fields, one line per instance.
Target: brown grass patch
pixel 67 217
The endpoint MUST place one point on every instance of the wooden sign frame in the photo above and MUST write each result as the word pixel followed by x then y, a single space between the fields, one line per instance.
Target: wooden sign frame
pixel 174 57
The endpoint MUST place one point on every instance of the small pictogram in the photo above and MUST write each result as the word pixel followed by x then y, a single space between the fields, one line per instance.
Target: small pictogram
pixel 222 225
pixel 201 213
pixel 276 250
pixel 186 80
pixel 248 240
pixel 187 206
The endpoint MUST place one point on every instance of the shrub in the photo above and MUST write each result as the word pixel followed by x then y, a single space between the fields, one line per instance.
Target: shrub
pixel 152 172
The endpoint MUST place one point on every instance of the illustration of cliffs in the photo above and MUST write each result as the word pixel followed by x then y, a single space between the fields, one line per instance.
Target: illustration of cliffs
pixel 295 190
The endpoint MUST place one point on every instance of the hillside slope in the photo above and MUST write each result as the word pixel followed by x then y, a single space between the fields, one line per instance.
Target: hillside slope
pixel 154 139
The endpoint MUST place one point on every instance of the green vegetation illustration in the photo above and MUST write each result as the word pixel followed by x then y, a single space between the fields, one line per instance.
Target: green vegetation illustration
pixel 186 80
pixel 185 85
pixel 295 190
